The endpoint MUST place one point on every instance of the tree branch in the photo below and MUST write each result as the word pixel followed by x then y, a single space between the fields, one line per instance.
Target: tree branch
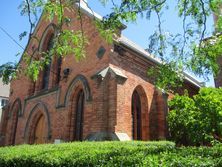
pixel 30 20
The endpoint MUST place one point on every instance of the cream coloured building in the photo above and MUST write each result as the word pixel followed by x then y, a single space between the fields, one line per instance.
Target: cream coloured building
pixel 4 94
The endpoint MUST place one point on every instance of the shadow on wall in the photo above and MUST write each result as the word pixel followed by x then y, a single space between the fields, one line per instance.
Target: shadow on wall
pixel 157 116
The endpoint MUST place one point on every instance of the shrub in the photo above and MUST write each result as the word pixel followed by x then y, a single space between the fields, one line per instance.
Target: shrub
pixel 81 154
pixel 148 154
pixel 196 121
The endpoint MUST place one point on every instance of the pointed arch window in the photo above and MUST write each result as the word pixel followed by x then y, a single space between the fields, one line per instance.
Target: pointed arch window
pixel 78 133
pixel 15 111
pixel 136 116
pixel 58 70
pixel 14 125
pixel 46 72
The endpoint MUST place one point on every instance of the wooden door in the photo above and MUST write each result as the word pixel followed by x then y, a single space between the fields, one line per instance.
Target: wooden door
pixel 40 131
pixel 79 117
pixel 136 117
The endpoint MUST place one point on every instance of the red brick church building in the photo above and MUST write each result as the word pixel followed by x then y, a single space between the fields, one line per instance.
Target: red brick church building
pixel 106 96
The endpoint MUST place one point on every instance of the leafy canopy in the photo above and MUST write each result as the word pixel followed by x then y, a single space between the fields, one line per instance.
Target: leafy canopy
pixel 189 50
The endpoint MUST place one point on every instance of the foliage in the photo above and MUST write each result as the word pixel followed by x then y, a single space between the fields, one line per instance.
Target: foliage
pixel 186 51
pixel 110 154
pixel 184 48
pixel 7 71
pixel 197 120
pixel 65 42
pixel 169 76
pixel 206 58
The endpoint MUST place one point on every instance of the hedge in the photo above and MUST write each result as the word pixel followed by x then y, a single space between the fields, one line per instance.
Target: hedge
pixel 84 154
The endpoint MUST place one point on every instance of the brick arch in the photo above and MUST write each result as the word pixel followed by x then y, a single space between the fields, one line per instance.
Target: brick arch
pixel 51 30
pixel 39 110
pixel 17 103
pixel 144 112
pixel 78 81
pixel 15 112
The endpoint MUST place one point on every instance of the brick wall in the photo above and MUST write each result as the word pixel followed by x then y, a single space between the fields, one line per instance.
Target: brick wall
pixel 218 78
pixel 108 99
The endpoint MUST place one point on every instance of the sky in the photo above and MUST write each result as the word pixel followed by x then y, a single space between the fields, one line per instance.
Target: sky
pixel 14 24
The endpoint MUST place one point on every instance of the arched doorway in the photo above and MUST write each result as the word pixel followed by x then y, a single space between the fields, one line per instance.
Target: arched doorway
pixel 40 131
pixel 38 126
pixel 79 110
pixel 136 117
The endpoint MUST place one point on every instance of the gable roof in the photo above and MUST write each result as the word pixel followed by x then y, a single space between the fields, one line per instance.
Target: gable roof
pixel 128 43
pixel 136 48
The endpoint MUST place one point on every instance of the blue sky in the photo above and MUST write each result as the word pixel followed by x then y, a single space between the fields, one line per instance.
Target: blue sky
pixel 138 32
pixel 14 24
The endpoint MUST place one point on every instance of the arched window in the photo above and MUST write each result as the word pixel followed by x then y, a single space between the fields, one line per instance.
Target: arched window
pixel 78 133
pixel 14 125
pixel 46 72
pixel 15 112
pixel 136 116
pixel 58 70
